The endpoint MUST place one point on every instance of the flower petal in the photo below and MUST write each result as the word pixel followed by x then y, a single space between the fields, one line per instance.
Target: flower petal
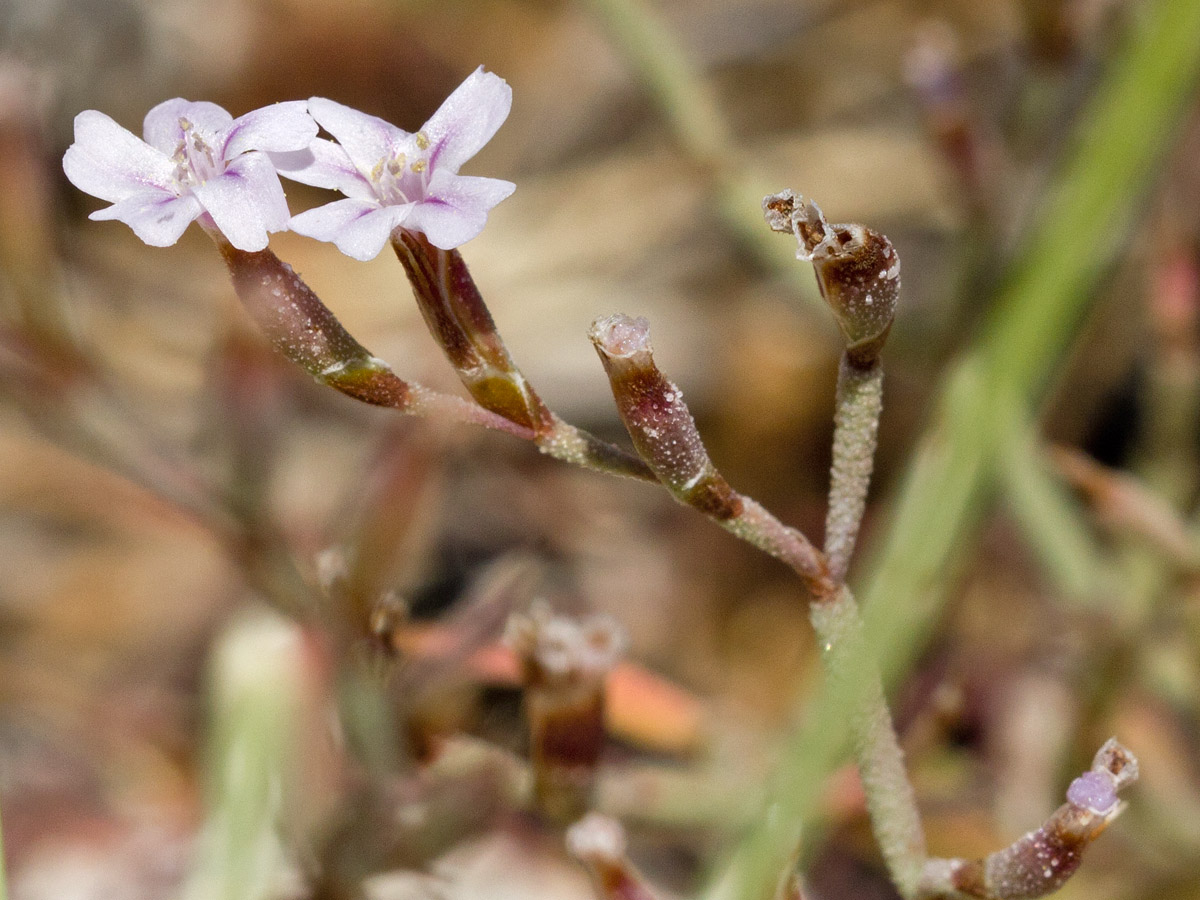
pixel 456 207
pixel 324 164
pixel 246 201
pixel 366 139
pixel 156 217
pixel 279 127
pixel 468 119
pixel 358 228
pixel 109 162
pixel 161 126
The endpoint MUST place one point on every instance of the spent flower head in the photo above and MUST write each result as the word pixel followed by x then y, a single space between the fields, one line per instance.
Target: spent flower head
pixel 857 270
pixel 393 179
pixel 195 160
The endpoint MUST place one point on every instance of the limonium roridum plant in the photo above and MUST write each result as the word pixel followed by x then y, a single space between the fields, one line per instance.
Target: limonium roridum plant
pixel 196 162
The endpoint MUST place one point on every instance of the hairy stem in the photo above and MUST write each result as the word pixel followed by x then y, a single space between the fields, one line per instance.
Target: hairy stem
pixel 856 427
pixel 1041 861
pixel 849 661
pixel 664 433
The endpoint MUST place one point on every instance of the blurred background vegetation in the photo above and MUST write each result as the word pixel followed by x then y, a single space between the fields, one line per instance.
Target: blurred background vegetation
pixel 191 531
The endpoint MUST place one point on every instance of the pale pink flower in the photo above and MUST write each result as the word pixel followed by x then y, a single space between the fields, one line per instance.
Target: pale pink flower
pixel 196 160
pixel 393 179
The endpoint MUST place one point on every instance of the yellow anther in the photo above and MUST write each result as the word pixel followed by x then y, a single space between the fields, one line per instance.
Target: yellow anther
pixel 422 141
pixel 419 165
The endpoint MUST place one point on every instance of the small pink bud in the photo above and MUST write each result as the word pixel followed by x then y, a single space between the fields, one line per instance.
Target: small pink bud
pixel 1094 791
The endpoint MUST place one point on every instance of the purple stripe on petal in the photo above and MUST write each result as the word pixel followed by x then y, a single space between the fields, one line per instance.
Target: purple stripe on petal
pixel 246 201
pixel 156 218
pixel 468 119
pixel 358 228
pixel 324 164
pixel 456 207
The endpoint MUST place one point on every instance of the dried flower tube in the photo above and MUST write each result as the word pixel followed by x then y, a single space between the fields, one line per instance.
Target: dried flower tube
pixel 665 436
pixel 460 322
pixel 456 315
pixel 598 842
pixel 564 665
pixel 1042 861
pixel 858 273
pixel 303 328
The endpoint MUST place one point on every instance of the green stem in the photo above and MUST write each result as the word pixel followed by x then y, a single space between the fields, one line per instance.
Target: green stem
pixel 1052 520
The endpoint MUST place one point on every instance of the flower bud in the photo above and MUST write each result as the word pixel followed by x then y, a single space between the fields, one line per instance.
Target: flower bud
pixel 858 271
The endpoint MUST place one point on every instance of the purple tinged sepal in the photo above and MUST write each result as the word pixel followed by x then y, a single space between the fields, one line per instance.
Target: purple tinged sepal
pixel 300 326
pixel 460 322
pixel 666 438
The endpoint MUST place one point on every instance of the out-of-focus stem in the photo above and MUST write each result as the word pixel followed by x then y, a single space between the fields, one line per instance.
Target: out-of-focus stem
pixel 791 888
pixel 678 88
pixel 3 876
pixel 688 105
pixel 564 664
pixel 1041 862
pixel 1127 504
pixel 599 843
pixel 664 434
pixel 856 427
pixel 1055 526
